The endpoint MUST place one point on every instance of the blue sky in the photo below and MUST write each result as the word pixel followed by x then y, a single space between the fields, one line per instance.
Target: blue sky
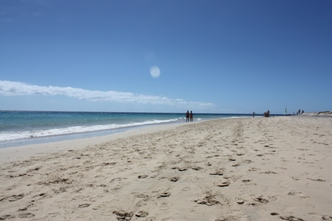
pixel 213 56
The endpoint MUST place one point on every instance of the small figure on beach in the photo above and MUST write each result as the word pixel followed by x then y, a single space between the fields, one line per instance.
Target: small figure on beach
pixel 191 116
pixel 267 113
pixel 253 114
pixel 302 112
pixel 299 112
pixel 187 116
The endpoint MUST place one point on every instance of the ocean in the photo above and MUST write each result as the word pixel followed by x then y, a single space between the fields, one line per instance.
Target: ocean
pixel 28 127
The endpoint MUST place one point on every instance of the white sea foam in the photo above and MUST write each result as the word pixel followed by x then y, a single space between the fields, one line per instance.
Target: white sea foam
pixel 9 136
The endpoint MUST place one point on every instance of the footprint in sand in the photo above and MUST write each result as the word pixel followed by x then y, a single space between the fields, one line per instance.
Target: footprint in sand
pixel 295 178
pixel 181 169
pixel 4 217
pixel 174 179
pixel 187 188
pixel 196 168
pixel 261 200
pixel 25 208
pixel 14 197
pixel 34 169
pixel 164 194
pixel 84 205
pixel 208 200
pixel 142 196
pixel 217 172
pixel 141 203
pixel 273 198
pixel 123 215
pixel 268 172
pixel 252 169
pixel 291 218
pixel 227 218
pixel 62 190
pixel 141 214
pixel 116 179
pixel 142 176
pixel 317 180
pixel 26 215
pixel 327 218
pixel 297 193
pixel 108 163
pixel 223 184
pixel 40 194
pixel 239 200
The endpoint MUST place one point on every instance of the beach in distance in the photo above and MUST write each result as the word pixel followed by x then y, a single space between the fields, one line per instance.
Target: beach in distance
pixel 253 168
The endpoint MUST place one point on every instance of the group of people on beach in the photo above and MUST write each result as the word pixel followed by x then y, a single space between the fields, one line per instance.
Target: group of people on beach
pixel 189 116
pixel 267 113
pixel 300 112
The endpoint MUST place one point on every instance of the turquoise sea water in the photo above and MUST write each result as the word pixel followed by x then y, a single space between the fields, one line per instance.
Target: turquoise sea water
pixel 23 127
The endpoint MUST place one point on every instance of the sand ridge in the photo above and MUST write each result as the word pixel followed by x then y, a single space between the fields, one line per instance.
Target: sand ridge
pixel 236 169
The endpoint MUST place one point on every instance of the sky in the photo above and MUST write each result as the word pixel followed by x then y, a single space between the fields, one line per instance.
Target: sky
pixel 208 56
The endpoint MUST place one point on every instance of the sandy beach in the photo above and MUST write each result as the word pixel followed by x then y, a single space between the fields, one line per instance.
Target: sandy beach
pixel 276 168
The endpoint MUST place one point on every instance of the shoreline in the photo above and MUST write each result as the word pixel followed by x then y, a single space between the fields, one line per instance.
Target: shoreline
pixel 47 145
pixel 20 152
pixel 74 136
pixel 275 168
pixel 90 134
pixel 55 125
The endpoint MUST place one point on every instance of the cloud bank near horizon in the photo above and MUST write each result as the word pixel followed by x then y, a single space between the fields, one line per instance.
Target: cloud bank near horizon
pixel 10 88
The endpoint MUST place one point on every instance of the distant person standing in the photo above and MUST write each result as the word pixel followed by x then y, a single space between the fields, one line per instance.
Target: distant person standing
pixel 187 116
pixel 191 116
pixel 253 114
pixel 267 113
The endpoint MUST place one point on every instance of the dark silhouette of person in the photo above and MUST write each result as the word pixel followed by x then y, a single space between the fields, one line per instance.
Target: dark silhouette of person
pixel 253 114
pixel 191 116
pixel 267 113
pixel 187 116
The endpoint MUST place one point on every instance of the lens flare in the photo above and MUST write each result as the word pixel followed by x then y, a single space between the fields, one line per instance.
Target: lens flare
pixel 155 71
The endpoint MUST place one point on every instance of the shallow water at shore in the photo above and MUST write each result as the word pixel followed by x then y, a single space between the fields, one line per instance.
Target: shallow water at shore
pixel 30 127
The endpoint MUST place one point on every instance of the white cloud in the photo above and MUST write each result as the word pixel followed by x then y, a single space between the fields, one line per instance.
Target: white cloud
pixel 10 88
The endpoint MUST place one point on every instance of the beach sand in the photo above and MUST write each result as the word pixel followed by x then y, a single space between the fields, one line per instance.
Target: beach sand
pixel 276 168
